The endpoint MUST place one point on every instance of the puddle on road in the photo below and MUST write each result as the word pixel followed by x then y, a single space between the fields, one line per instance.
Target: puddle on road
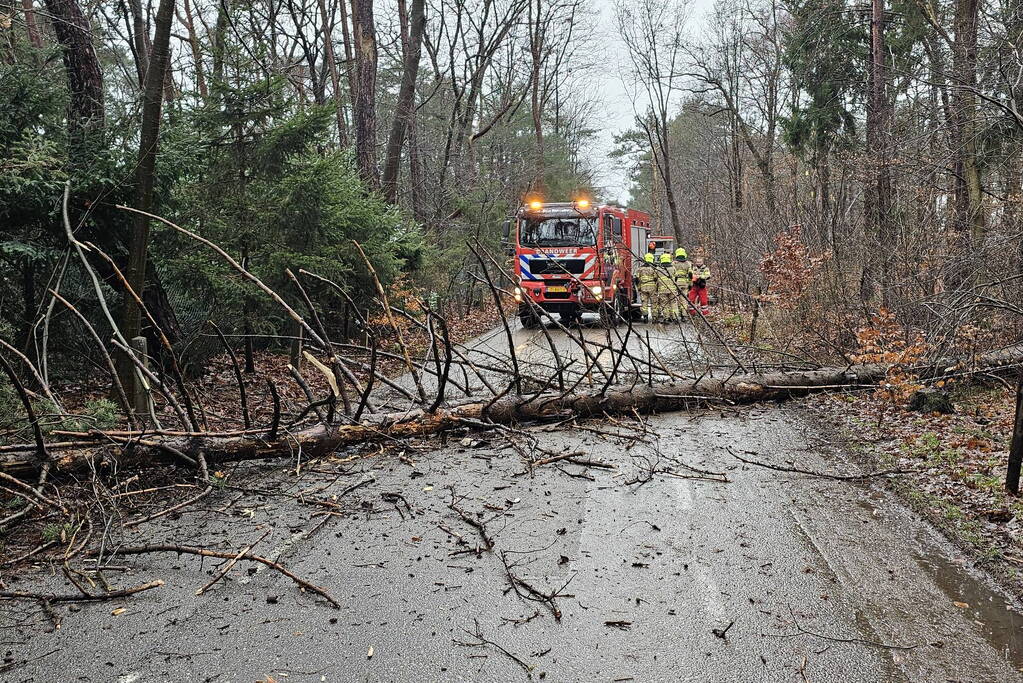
pixel 998 623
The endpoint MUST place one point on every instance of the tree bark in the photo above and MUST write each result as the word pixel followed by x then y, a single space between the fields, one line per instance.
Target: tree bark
pixel 335 76
pixel 536 40
pixel 220 41
pixel 85 79
pixel 365 100
pixel 967 197
pixel 193 41
pixel 877 203
pixel 405 106
pixel 140 37
pixel 31 28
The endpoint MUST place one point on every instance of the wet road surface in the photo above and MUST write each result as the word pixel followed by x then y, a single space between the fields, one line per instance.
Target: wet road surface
pixel 769 576
pixel 582 351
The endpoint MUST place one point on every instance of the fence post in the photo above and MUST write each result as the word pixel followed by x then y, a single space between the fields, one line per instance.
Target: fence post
pixel 1016 446
pixel 296 344
pixel 139 394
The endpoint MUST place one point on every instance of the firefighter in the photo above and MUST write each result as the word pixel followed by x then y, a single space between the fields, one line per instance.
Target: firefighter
pixel 667 292
pixel 698 292
pixel 683 277
pixel 646 276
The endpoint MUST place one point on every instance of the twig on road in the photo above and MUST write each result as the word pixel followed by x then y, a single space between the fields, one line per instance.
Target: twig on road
pixel 474 523
pixel 478 635
pixel 231 563
pixel 800 631
pixel 79 597
pixel 822 475
pixel 203 552
pixel 533 594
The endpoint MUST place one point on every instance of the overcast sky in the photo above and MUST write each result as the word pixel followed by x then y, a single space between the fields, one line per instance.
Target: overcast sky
pixel 619 98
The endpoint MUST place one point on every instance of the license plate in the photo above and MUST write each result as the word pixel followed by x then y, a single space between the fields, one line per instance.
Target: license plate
pixel 559 290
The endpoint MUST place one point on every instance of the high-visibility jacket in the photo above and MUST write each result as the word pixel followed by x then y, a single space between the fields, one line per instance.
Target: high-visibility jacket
pixel 666 280
pixel 683 273
pixel 647 278
pixel 700 273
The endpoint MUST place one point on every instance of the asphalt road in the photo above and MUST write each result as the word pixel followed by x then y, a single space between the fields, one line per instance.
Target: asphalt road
pixel 679 576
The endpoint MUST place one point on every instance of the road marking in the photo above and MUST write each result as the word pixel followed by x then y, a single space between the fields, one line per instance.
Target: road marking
pixel 685 496
pixel 712 601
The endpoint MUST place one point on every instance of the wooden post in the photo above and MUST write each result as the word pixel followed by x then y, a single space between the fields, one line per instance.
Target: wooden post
pixel 1016 446
pixel 756 315
pixel 139 394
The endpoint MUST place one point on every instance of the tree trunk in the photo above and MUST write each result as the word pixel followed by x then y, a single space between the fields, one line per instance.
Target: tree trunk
pixel 140 40
pixel 85 79
pixel 405 106
pixel 535 49
pixel 877 201
pixel 31 28
pixel 149 137
pixel 335 76
pixel 365 100
pixel 220 41
pixel 193 42
pixel 967 197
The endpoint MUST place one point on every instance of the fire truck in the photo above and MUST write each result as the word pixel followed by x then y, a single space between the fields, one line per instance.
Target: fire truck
pixel 574 257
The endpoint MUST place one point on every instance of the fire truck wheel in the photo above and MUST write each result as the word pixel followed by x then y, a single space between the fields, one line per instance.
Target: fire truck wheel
pixel 571 317
pixel 529 320
pixel 610 313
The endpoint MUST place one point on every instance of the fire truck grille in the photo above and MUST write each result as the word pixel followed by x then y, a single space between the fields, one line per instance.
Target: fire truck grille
pixel 557 266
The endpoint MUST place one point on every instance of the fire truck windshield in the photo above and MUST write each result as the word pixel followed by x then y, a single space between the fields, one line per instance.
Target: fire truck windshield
pixel 559 232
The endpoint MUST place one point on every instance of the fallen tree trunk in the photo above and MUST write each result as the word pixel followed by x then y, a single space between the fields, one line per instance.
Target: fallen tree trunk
pixel 123 451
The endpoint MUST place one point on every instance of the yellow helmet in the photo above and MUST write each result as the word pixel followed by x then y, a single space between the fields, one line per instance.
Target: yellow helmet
pixel 648 257
pixel 681 254
pixel 665 257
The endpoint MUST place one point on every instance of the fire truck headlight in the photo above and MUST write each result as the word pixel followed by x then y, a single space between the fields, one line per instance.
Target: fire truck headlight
pixel 518 294
pixel 598 291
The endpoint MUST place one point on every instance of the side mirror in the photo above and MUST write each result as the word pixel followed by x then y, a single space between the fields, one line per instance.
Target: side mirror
pixel 506 244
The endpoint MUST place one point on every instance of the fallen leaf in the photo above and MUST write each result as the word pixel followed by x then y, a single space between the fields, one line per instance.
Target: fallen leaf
pixel 119 610
pixel 427 488
pixel 962 605
pixel 369 655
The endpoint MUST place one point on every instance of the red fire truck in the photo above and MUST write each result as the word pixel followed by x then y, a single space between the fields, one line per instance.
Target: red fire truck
pixel 572 257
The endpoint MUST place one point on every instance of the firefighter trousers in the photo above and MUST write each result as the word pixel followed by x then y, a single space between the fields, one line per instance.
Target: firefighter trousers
pixel 647 303
pixel 667 306
pixel 698 297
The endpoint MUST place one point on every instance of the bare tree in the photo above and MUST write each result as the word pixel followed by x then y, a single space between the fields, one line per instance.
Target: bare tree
pixel 412 42
pixel 654 32
pixel 742 64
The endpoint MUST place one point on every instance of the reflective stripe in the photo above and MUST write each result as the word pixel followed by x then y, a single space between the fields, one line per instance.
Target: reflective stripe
pixel 524 268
